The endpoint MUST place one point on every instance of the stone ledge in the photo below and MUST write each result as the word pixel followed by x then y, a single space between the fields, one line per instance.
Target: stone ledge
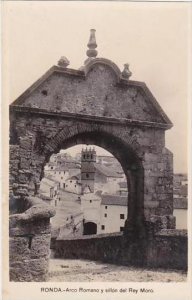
pixel 94 236
pixel 89 118
pixel 172 232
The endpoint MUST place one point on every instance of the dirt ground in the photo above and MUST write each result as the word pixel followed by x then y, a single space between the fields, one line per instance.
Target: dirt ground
pixel 68 270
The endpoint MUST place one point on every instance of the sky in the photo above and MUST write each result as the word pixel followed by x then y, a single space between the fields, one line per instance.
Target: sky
pixel 152 37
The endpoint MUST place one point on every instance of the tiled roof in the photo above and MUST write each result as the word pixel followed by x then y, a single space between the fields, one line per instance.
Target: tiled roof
pixel 74 177
pixel 47 182
pixel 108 172
pixel 114 200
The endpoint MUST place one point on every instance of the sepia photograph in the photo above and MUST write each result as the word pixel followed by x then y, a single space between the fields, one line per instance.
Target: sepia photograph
pixel 96 109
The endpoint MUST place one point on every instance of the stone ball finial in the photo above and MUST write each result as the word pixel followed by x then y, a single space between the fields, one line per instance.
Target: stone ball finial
pixel 63 62
pixel 126 72
pixel 91 52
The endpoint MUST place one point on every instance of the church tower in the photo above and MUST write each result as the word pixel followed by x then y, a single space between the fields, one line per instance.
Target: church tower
pixel 88 159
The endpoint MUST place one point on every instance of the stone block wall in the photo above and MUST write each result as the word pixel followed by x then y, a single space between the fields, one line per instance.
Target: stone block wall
pixel 167 249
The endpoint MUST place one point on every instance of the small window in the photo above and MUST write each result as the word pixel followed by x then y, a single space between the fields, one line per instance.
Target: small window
pixel 121 228
pixel 105 207
pixel 87 175
pixel 75 185
pixel 63 185
pixel 102 227
pixel 70 181
pixel 105 215
pixel 51 168
pixel 63 172
pixel 90 201
pixel 122 216
pixel 61 177
pixel 84 156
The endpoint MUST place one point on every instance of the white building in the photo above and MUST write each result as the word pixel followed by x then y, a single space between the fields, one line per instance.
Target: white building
pixel 103 213
pixel 123 189
pixel 91 206
pixel 73 184
pixel 114 210
pixel 49 190
pixel 106 179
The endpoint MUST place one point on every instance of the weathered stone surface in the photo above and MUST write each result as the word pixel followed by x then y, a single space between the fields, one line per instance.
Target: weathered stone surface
pixel 40 246
pixel 29 270
pixel 19 248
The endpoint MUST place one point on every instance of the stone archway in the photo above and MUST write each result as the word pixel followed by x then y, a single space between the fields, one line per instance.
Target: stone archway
pixel 100 105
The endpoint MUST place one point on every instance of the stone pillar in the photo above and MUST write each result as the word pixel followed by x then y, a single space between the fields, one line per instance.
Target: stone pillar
pixel 134 226
pixel 30 237
pixel 158 189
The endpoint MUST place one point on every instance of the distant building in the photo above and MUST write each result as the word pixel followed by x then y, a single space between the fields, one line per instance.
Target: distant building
pixel 180 200
pixel 49 191
pixel 106 179
pixel 105 159
pixel 114 211
pixel 97 176
pixel 180 190
pixel 91 207
pixel 88 159
pixel 73 185
pixel 123 189
pixel 103 213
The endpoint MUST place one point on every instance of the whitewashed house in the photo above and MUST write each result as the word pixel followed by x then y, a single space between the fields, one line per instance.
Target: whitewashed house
pixel 90 206
pixel 49 190
pixel 114 209
pixel 103 213
pixel 73 184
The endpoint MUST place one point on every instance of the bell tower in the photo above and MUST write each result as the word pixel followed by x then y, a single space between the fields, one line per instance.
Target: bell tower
pixel 88 159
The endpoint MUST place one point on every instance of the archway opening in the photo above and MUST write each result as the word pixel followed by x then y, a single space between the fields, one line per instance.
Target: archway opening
pixel 126 153
pixel 85 183
pixel 131 165
pixel 90 228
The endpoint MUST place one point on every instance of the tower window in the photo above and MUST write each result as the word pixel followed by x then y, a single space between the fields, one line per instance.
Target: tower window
pixel 105 207
pixel 105 215
pixel 122 216
pixel 84 156
pixel 121 228
pixel 91 156
pixel 87 175
pixel 90 201
pixel 102 227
